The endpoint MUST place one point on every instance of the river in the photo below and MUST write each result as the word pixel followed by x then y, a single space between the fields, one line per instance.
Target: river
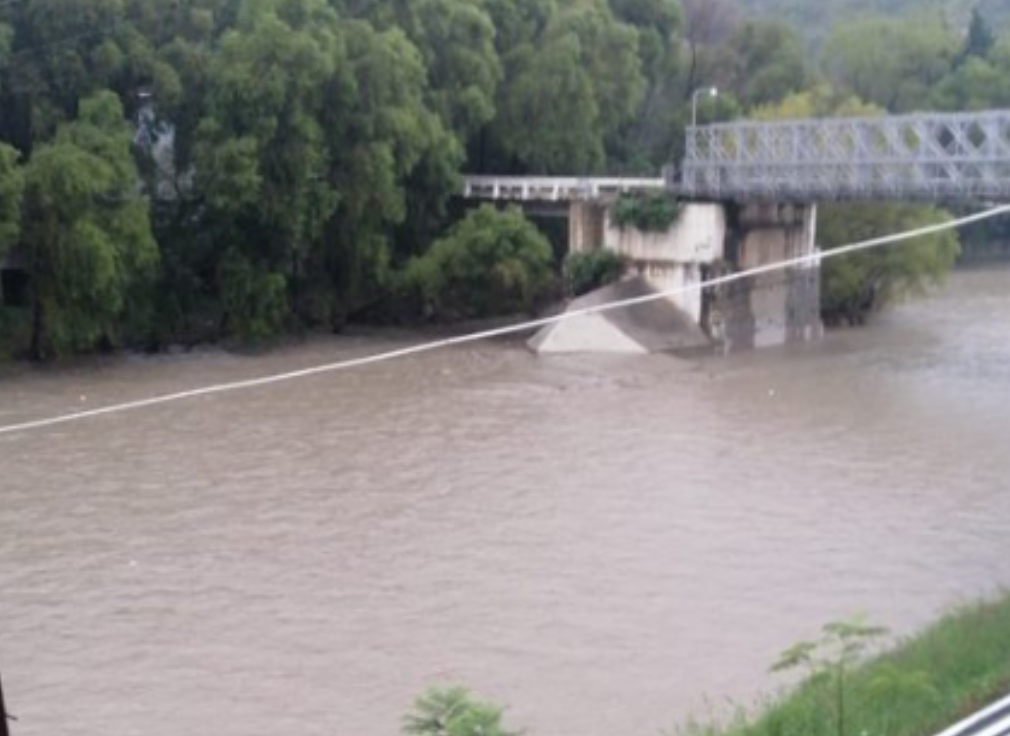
pixel 607 545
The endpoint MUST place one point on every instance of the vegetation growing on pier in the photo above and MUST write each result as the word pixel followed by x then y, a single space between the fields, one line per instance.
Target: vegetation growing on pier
pixel 648 212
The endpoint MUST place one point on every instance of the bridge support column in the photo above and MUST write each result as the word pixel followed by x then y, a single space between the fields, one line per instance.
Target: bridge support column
pixel 586 226
pixel 775 308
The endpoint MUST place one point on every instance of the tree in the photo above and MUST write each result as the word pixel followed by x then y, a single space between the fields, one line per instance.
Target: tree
pixel 11 187
pixel 765 62
pixel 974 84
pixel 261 156
pixel 980 39
pixel 708 24
pixel 490 264
pixel 549 118
pixel 858 285
pixel 568 94
pixel 890 62
pixel 456 41
pixel 88 234
pixel 610 58
pixel 518 22
pixel 658 22
pixel 379 130
pixel 821 101
pixel 645 146
pixel 453 712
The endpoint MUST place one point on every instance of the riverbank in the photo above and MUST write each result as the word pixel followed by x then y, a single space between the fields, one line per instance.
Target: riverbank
pixel 921 686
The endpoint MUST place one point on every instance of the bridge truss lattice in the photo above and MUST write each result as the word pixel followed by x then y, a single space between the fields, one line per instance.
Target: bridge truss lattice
pixel 935 157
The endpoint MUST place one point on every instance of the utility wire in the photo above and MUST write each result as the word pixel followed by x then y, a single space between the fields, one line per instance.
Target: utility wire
pixel 499 332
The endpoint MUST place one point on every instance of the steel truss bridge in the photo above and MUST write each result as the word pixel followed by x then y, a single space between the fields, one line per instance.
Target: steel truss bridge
pixel 931 157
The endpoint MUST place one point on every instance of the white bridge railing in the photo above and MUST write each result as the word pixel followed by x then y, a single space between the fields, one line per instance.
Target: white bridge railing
pixel 553 189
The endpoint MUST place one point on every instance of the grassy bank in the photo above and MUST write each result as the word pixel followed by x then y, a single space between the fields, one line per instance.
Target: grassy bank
pixel 919 687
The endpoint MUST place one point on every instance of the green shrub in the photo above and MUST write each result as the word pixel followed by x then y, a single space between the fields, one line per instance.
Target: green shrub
pixel 858 285
pixel 492 263
pixel 650 212
pixel 453 712
pixel 591 270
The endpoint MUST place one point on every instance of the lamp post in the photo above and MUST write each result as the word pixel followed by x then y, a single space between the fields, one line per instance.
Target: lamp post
pixel 710 91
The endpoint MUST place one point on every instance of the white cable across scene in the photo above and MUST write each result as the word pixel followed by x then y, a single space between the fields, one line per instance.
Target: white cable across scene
pixel 501 331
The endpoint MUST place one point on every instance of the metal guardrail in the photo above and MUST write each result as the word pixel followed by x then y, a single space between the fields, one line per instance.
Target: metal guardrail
pixel 961 156
pixel 991 721
pixel 553 189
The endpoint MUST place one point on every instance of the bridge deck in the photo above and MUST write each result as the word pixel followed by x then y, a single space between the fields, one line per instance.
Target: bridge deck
pixel 936 157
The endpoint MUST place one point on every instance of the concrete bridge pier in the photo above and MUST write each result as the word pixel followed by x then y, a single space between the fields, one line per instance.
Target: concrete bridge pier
pixel 776 308
pixel 587 224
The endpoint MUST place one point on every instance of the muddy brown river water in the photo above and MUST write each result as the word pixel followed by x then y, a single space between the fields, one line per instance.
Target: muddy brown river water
pixel 608 545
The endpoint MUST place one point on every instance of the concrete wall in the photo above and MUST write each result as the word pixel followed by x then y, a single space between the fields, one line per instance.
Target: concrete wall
pixel 698 236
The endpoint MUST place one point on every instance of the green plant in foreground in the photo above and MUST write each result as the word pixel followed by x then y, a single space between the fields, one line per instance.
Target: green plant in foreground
pixel 828 659
pixel 453 712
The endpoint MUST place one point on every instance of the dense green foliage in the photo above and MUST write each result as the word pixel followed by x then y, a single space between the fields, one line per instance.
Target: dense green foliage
pixel 860 284
pixel 923 685
pixel 491 263
pixel 87 234
pixel 214 168
pixel 590 270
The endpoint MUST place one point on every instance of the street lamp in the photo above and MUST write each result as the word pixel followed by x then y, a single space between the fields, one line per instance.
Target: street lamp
pixel 710 91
